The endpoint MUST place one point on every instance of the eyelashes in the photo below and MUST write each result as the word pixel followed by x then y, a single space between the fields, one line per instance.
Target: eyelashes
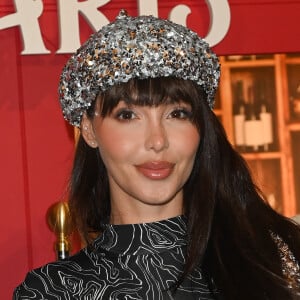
pixel 127 114
pixel 181 114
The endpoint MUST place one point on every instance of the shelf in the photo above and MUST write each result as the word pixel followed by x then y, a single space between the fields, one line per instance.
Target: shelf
pixel 276 171
pixel 295 143
pixel 268 177
pixel 294 126
pixel 249 63
pixel 292 60
pixel 218 112
pixel 262 155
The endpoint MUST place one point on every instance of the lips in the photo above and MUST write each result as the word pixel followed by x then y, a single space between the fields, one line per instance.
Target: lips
pixel 156 169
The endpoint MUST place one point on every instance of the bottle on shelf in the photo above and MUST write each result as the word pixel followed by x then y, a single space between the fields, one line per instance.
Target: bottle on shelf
pixel 253 125
pixel 265 116
pixel 239 116
pixel 295 103
pixel 267 128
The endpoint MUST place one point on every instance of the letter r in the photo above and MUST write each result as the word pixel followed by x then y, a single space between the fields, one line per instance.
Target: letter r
pixel 69 22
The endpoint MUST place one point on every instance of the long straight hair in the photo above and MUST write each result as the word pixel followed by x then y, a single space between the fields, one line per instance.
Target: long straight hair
pixel 230 225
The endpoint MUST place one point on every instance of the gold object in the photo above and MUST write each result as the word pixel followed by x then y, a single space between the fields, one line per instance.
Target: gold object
pixel 76 134
pixel 59 221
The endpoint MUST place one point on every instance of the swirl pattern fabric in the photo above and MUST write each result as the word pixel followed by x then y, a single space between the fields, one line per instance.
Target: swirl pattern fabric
pixel 127 262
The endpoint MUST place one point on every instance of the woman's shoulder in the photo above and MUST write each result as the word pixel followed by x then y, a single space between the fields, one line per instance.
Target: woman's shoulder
pixel 55 278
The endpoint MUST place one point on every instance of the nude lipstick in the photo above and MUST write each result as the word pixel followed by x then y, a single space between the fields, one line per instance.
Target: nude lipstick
pixel 156 169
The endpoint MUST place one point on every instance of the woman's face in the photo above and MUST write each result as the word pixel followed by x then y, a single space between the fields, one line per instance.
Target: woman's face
pixel 149 154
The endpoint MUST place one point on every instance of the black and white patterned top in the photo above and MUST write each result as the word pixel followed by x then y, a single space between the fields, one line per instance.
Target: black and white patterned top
pixel 127 262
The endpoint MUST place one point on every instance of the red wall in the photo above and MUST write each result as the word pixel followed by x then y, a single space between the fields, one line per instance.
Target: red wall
pixel 37 145
pixel 35 154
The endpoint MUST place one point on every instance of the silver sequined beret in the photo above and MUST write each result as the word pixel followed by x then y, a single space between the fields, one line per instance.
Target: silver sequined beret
pixel 135 47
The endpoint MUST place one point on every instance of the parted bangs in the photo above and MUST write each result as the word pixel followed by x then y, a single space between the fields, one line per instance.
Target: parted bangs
pixel 151 92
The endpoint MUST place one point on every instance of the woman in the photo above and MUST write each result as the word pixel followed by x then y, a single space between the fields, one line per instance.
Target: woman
pixel 177 213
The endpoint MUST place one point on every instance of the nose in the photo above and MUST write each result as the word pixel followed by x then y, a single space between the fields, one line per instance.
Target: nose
pixel 156 137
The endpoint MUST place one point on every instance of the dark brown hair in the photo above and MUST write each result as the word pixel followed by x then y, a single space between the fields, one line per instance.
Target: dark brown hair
pixel 229 223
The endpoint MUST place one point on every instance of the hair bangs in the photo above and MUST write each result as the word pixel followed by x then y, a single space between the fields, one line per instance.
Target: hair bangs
pixel 149 92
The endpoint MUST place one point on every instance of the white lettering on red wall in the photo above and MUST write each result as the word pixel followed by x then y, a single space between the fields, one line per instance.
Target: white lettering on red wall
pixel 71 8
pixel 26 16
pixel 28 12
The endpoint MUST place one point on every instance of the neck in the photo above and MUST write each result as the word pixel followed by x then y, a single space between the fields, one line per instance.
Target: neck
pixel 147 214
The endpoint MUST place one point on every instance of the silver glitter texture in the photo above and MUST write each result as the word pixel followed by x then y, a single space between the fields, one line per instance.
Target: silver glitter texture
pixel 135 47
pixel 290 266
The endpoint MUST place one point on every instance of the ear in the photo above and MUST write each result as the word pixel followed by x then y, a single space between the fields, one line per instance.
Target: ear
pixel 87 131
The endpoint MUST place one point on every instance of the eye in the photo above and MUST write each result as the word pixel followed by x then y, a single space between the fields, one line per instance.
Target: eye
pixel 125 115
pixel 181 113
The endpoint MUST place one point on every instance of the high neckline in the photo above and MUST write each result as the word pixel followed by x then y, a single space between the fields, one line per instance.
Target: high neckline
pixel 143 238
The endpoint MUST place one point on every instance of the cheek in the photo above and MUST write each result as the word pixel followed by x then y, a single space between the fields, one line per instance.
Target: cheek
pixel 115 145
pixel 188 142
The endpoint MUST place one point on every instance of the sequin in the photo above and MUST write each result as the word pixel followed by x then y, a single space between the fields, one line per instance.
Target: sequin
pixel 135 47
pixel 290 266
